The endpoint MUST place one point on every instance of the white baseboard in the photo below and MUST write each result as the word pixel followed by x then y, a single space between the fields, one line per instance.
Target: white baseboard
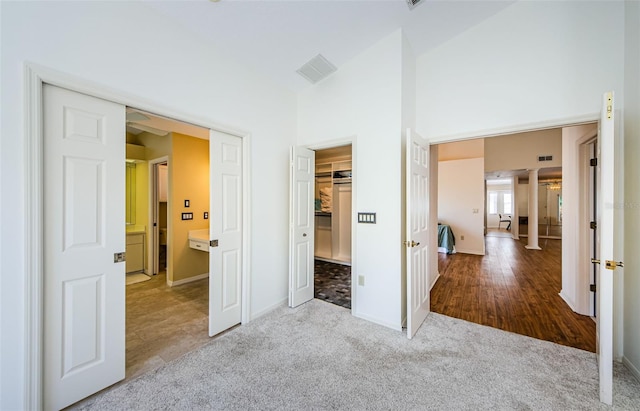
pixel 397 327
pixel 474 252
pixel 258 314
pixel 187 280
pixel 568 301
pixel 631 367
pixel 434 281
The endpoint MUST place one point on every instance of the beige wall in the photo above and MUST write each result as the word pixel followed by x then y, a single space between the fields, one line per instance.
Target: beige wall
pixel 521 151
pixel 460 192
pixel 188 180
pixel 460 150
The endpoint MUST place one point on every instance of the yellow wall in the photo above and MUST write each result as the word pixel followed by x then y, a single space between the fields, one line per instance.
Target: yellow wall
pixel 188 180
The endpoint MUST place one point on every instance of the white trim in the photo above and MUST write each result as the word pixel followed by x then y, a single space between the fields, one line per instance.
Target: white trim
pixel 245 317
pixel 34 77
pixel 33 250
pixel 433 283
pixel 282 303
pixel 631 367
pixel 537 126
pixel 567 300
pixel 188 280
pixel 393 326
pixel 152 252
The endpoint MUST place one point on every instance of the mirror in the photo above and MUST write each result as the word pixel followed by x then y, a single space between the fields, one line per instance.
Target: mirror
pixel 130 194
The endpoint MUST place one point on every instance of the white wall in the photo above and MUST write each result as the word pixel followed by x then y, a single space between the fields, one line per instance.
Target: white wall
pixel 460 191
pixel 632 187
pixel 534 63
pixel 363 99
pixel 120 45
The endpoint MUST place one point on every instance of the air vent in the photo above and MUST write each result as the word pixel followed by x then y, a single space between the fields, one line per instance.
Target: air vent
pixel 316 69
pixel 545 158
pixel 413 3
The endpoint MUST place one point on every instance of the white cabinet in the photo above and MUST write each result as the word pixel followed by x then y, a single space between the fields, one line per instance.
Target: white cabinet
pixel 135 252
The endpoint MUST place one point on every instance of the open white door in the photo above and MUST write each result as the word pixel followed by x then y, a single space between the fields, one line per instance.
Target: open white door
pixel 84 232
pixel 301 225
pixel 225 228
pixel 604 239
pixel 417 204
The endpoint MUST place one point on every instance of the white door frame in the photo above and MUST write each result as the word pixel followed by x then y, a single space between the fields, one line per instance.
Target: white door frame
pixel 354 200
pixel 154 232
pixel 35 76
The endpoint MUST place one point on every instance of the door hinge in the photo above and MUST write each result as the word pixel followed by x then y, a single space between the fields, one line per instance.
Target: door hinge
pixel 213 243
pixel 593 162
pixel 593 225
pixel 592 288
pixel 609 105
pixel 611 265
pixel 119 257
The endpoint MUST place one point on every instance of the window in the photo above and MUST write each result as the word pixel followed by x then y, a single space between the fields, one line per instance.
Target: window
pixel 506 204
pixel 493 202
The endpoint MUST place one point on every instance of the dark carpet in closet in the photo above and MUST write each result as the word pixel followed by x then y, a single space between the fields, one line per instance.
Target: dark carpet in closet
pixel 332 283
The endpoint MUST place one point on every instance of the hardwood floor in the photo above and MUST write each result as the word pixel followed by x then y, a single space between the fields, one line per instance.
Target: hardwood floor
pixel 512 289
pixel 164 322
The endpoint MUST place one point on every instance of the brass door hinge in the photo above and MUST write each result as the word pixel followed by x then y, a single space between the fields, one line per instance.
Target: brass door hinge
pixel 593 225
pixel 611 265
pixel 609 105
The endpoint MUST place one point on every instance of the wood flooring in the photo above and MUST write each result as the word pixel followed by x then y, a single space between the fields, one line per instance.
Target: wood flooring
pixel 164 323
pixel 513 289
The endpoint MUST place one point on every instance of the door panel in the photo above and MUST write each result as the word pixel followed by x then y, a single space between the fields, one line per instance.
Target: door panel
pixel 417 215
pixel 84 221
pixel 604 240
pixel 225 259
pixel 301 230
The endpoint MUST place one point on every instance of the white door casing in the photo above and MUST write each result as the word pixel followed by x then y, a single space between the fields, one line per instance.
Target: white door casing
pixel 84 226
pixel 604 240
pixel 417 220
pixel 301 225
pixel 225 227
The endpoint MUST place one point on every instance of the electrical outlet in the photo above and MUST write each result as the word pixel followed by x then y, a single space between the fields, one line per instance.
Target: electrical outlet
pixel 361 280
pixel 461 237
pixel 206 215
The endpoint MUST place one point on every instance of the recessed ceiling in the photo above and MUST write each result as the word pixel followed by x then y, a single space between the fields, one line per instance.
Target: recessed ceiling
pixel 278 37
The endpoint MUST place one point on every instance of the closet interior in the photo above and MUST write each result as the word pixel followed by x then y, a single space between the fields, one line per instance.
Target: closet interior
pixel 333 205
pixel 332 268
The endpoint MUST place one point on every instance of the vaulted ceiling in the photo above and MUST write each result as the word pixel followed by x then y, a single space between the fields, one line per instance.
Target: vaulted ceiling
pixel 278 37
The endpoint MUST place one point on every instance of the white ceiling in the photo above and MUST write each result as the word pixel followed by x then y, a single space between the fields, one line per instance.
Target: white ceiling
pixel 278 37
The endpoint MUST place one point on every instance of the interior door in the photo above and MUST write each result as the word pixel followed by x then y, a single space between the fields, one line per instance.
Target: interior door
pixel 84 228
pixel 604 240
pixel 417 217
pixel 225 229
pixel 301 225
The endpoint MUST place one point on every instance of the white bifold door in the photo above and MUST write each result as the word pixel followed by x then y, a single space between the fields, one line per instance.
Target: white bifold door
pixel 417 231
pixel 604 245
pixel 301 225
pixel 84 220
pixel 225 228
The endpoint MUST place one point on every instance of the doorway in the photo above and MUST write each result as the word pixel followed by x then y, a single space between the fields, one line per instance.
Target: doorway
pixel 36 204
pixel 553 212
pixel 332 208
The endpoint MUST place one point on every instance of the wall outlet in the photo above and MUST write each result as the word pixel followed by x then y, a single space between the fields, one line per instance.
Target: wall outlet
pixel 361 280
pixel 461 237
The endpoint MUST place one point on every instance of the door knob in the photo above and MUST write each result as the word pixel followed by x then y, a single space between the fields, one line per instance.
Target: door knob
pixel 304 234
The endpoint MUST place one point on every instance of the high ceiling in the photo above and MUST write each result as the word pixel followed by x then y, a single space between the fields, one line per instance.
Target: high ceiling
pixel 278 37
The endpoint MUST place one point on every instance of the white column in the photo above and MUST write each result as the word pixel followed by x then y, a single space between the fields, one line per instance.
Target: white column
pixel 533 211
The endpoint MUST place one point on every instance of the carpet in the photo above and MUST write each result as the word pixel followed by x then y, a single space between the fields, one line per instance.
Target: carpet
pixel 318 356
pixel 136 278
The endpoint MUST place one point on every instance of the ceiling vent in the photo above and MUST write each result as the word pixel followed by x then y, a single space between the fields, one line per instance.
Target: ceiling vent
pixel 316 69
pixel 413 3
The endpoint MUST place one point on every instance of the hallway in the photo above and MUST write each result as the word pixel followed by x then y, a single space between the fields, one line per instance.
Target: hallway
pixel 512 289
